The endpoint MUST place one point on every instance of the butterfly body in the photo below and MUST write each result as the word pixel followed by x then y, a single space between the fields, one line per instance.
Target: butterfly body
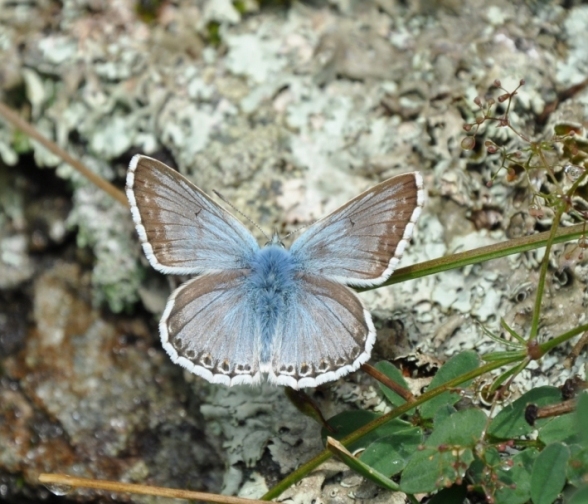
pixel 271 286
pixel 254 312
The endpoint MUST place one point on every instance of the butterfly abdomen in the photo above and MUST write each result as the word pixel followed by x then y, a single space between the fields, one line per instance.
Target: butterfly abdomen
pixel 271 285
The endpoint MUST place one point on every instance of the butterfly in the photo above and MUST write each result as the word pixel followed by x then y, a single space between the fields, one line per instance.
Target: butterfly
pixel 254 312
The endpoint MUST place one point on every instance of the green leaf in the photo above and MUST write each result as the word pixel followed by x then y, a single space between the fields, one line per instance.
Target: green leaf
pixel 442 413
pixel 582 418
pixel 549 473
pixel 510 422
pixel 358 466
pixel 580 497
pixel 515 481
pixel 349 421
pixel 463 428
pixel 458 365
pixel 480 469
pixel 421 474
pixel 432 468
pixel 492 456
pixel 562 428
pixel 392 372
pixel 390 454
pixel 447 454
pixel 521 341
pixel 577 470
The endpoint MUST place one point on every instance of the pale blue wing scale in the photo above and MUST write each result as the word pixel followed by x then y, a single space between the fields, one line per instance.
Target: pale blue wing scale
pixel 209 328
pixel 323 333
pixel 361 243
pixel 182 230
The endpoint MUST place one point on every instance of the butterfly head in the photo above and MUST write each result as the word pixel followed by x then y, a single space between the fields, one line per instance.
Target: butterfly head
pixel 275 240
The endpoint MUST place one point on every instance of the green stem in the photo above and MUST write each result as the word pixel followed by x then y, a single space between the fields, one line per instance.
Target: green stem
pixel 508 374
pixel 543 274
pixel 562 338
pixel 412 499
pixel 514 246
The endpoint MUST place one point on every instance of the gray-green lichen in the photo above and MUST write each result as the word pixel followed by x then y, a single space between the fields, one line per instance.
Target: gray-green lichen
pixel 105 228
pixel 255 421
pixel 16 265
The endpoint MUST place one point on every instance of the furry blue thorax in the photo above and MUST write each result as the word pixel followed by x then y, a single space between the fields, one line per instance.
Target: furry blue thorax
pixel 271 286
pixel 272 269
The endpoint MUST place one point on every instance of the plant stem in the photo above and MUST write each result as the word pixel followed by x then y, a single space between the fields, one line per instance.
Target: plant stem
pixel 116 486
pixel 543 274
pixel 482 254
pixel 18 122
pixel 562 338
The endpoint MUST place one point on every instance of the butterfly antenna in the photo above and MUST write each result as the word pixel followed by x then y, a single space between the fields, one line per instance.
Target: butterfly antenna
pixel 298 229
pixel 246 217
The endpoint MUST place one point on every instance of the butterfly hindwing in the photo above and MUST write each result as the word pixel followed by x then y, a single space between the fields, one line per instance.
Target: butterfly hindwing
pixel 212 327
pixel 182 230
pixel 361 242
pixel 323 334
pixel 209 328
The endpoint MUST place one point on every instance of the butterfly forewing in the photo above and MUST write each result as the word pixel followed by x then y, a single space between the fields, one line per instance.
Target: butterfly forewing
pixel 182 230
pixel 361 242
pixel 209 328
pixel 324 333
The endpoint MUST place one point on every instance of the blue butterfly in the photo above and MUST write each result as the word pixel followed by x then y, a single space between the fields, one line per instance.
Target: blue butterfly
pixel 267 311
